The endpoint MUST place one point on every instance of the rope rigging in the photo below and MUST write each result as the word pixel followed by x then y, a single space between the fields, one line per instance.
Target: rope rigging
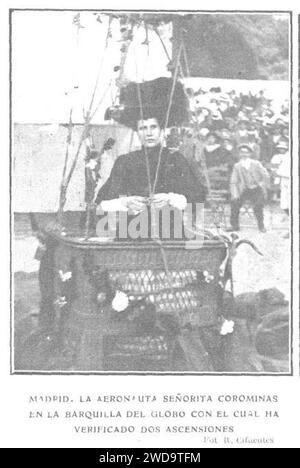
pixel 127 39
pixel 150 187
pixel 183 76
pixel 66 178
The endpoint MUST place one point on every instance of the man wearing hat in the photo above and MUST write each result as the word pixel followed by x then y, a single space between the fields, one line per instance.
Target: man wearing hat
pixel 153 172
pixel 249 182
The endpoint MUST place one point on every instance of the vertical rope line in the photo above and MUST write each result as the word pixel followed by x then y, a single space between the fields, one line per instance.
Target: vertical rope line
pixel 101 100
pixel 69 136
pixel 168 115
pixel 202 159
pixel 145 149
pixel 91 115
pixel 157 241
pixel 87 119
pixel 62 190
pixel 131 141
pixel 169 58
pixel 186 60
pixel 99 69
pixel 142 118
pixel 118 82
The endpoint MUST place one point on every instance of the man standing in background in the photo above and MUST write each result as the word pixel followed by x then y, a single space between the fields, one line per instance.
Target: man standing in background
pixel 249 182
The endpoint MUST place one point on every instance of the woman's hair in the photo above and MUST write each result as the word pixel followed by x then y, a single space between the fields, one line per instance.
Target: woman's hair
pixel 150 114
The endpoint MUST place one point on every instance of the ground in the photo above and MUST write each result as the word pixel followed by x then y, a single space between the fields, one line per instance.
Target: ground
pixel 251 273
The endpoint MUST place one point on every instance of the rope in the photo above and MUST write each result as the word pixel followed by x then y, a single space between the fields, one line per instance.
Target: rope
pixel 142 118
pixel 155 237
pixel 87 119
pixel 99 69
pixel 169 58
pixel 123 60
pixel 202 159
pixel 178 67
pixel 124 53
pixel 91 115
pixel 62 196
pixel 145 149
pixel 101 99
pixel 119 80
pixel 131 141
pixel 186 60
pixel 168 114
pixel 150 187
pixel 62 191
pixel 89 204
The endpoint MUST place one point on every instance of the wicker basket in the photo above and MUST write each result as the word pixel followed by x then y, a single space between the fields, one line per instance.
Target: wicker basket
pixel 189 291
pixel 141 353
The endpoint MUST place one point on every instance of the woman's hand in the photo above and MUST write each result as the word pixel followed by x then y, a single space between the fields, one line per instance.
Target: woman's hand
pixel 136 204
pixel 159 200
pixel 176 200
pixel 133 204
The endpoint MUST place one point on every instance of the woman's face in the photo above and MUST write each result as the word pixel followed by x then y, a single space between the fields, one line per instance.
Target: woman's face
pixel 149 132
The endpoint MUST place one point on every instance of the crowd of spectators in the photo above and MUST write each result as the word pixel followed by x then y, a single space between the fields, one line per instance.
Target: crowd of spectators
pixel 241 118
pixel 226 120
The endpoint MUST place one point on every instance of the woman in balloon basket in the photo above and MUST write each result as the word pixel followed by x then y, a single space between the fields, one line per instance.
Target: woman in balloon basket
pixel 154 179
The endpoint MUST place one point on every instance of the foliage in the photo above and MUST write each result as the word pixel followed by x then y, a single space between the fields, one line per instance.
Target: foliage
pixel 236 46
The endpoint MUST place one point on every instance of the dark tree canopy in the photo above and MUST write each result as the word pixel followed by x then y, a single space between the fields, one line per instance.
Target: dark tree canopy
pixel 235 46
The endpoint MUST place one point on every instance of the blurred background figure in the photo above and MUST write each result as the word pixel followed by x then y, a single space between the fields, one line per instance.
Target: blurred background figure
pixel 281 154
pixel 249 182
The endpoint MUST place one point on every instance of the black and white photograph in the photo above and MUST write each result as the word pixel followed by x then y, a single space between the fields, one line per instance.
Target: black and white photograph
pixel 151 207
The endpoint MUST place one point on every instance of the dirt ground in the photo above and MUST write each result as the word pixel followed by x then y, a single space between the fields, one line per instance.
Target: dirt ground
pixel 251 273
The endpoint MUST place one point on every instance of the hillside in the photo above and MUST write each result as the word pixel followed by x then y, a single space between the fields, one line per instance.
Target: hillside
pixel 235 46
